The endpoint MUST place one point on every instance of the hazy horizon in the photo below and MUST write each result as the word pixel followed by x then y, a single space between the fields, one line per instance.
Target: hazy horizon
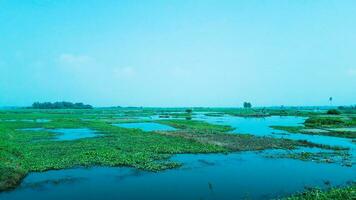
pixel 201 53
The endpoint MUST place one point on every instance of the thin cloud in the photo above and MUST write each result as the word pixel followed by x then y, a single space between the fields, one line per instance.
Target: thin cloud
pixel 124 72
pixel 74 60
pixel 351 72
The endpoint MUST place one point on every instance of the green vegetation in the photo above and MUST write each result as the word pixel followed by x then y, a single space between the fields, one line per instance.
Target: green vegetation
pixel 234 142
pixel 347 109
pixel 262 112
pixel 60 105
pixel 247 105
pixel 22 152
pixel 216 135
pixel 196 126
pixel 331 122
pixel 337 156
pixel 338 126
pixel 342 193
pixel 316 131
pixel 333 112
pixel 320 121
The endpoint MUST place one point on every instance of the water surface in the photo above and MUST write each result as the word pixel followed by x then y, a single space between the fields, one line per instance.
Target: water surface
pixel 147 126
pixel 262 127
pixel 212 176
pixel 65 134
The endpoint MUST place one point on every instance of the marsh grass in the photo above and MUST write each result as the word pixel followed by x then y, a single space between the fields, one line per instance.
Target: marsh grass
pixel 196 126
pixel 337 156
pixel 342 193
pixel 325 125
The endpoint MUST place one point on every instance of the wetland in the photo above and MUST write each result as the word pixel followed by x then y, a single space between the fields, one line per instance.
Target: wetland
pixel 212 154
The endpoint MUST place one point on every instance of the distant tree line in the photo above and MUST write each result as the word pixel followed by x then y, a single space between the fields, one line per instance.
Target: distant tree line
pixel 347 107
pixel 60 105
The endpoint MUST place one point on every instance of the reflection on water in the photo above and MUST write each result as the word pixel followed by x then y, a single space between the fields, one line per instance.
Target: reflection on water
pixel 262 127
pixel 74 134
pixel 233 176
pixel 65 134
pixel 147 126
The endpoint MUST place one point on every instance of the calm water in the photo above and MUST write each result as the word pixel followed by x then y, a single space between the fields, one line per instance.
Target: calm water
pixel 74 134
pixel 28 120
pixel 261 127
pixel 147 126
pixel 214 176
pixel 65 134
pixel 251 125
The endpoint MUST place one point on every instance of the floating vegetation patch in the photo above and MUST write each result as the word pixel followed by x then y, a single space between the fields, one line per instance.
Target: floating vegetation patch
pixel 341 193
pixel 335 132
pixel 342 157
pixel 44 183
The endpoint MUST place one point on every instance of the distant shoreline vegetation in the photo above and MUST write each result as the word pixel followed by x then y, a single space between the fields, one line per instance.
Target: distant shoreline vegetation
pixel 60 105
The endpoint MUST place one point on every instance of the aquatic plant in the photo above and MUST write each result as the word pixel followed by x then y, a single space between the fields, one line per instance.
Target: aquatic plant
pixel 333 112
pixel 316 131
pixel 189 110
pixel 22 152
pixel 337 156
pixel 342 193
pixel 323 121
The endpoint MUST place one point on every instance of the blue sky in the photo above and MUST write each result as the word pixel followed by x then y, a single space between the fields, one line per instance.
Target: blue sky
pixel 178 53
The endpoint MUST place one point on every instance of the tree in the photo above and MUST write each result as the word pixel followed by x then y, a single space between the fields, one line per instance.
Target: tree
pixel 189 111
pixel 333 112
pixel 247 105
pixel 36 105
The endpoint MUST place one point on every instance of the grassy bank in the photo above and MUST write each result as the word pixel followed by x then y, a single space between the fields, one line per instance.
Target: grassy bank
pixel 343 193
pixel 340 126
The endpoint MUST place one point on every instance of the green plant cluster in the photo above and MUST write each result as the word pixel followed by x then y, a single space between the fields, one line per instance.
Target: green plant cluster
pixel 22 152
pixel 342 193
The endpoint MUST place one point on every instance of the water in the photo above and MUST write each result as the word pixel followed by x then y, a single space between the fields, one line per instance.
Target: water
pixel 67 134
pixel 262 127
pixel 147 126
pixel 28 120
pixel 252 125
pixel 210 177
pixel 32 129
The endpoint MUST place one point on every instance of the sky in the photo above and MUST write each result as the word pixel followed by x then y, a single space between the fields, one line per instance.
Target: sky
pixel 178 52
